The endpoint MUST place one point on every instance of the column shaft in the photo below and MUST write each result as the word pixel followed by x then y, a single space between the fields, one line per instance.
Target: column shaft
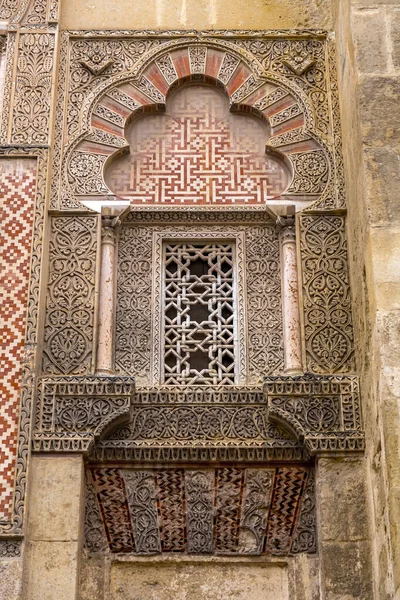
pixel 290 296
pixel 106 300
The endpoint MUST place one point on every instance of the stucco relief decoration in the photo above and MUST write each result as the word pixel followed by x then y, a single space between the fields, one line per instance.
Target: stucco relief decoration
pixel 231 510
pixel 68 336
pixel 33 82
pixel 326 294
pixel 29 12
pixel 138 335
pixel 283 141
pixel 74 412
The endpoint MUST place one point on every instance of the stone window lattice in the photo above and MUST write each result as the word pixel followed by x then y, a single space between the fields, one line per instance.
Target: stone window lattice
pixel 199 313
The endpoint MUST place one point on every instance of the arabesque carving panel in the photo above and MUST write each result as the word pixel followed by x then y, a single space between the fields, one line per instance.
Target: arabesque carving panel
pixel 70 302
pixel 329 337
pixel 224 510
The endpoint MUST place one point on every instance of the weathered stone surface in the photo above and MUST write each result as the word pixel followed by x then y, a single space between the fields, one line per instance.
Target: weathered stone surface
pixel 52 574
pixel 347 570
pixel 10 579
pixel 304 578
pixel 385 243
pixel 198 14
pixel 372 50
pixel 382 174
pixel 342 499
pixel 394 20
pixel 380 111
pixel 150 581
pixel 56 494
pixel 93 578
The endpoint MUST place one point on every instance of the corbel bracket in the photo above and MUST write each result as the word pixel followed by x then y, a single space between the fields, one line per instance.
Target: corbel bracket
pixel 75 412
pixel 323 411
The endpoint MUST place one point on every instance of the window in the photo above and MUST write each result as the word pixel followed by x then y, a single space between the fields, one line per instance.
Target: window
pixel 199 313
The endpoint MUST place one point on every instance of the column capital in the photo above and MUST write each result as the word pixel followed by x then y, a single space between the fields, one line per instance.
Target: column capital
pixel 287 229
pixel 108 229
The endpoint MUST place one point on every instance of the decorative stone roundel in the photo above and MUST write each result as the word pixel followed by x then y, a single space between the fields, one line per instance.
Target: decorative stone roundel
pixel 276 155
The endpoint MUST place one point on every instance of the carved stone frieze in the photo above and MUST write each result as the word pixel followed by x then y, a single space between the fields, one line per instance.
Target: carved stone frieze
pixel 324 411
pixel 224 510
pixel 325 286
pixel 68 335
pixel 102 69
pixel 197 424
pixel 10 548
pixel 73 412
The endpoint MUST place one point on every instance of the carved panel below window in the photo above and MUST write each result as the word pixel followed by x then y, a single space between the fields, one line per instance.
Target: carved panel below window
pixel 226 510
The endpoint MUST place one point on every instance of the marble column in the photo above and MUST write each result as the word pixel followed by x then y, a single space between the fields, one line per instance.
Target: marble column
pixel 106 298
pixel 290 297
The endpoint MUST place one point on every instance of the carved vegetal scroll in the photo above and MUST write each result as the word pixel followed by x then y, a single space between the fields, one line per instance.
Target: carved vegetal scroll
pixel 324 411
pixel 73 412
pixel 198 425
pixel 329 338
pixel 27 88
pixel 225 510
pixel 68 337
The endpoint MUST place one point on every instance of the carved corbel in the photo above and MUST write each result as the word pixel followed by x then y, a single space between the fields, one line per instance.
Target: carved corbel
pixel 323 411
pixel 75 412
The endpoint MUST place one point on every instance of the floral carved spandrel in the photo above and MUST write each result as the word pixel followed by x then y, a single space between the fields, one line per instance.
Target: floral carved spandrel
pixel 73 412
pixel 329 338
pixel 68 337
pixel 31 114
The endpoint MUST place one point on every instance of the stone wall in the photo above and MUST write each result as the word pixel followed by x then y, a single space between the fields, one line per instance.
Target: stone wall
pixel 369 69
pixel 195 14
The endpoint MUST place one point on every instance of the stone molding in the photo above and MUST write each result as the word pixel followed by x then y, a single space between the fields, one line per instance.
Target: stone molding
pixel 323 411
pixel 74 412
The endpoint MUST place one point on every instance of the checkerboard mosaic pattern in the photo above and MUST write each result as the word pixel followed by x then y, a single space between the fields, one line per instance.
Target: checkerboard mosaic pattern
pixel 17 199
pixel 198 153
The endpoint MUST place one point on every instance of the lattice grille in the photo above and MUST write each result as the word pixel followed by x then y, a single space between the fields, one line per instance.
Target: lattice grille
pixel 199 313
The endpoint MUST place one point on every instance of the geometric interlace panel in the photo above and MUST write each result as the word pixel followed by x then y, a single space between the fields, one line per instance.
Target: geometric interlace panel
pixel 198 153
pixel 199 313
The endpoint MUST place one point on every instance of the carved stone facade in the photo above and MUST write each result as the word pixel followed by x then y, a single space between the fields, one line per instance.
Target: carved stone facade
pixel 258 311
pixel 227 510
pixel 179 309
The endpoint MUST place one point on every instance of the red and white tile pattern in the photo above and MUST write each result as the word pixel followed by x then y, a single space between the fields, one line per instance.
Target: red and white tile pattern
pixel 17 200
